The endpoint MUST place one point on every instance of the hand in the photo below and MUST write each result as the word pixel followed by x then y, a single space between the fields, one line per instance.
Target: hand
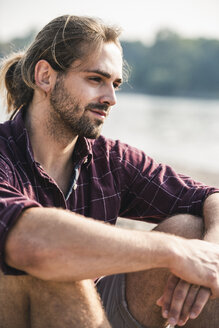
pixel 182 301
pixel 197 262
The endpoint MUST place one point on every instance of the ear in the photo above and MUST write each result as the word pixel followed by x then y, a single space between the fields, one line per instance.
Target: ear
pixel 45 76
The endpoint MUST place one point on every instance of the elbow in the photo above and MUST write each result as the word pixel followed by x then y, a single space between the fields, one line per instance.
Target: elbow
pixel 20 255
pixel 39 262
pixel 25 256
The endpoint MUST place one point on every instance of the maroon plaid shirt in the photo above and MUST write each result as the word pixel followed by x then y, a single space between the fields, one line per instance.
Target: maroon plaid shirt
pixel 109 179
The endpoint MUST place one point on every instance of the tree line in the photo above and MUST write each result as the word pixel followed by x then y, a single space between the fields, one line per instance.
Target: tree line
pixel 172 65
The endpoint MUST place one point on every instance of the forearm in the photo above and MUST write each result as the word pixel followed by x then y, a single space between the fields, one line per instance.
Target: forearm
pixel 59 245
pixel 211 218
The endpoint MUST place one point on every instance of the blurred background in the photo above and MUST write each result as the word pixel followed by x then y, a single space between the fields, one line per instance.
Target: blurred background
pixel 170 106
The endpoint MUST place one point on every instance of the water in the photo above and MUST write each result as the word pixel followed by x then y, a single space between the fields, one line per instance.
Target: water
pixel 171 130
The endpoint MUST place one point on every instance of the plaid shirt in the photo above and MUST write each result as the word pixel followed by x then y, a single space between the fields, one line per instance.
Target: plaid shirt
pixel 109 179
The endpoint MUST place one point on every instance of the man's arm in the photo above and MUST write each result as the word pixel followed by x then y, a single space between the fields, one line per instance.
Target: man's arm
pixel 55 244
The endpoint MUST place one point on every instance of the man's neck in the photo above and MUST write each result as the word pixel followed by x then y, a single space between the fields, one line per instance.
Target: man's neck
pixel 53 153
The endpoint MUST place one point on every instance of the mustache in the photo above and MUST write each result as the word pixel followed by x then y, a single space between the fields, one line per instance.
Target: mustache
pixel 103 107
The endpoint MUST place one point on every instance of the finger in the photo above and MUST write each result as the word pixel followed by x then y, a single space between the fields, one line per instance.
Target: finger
pixel 189 301
pixel 201 300
pixel 194 308
pixel 178 299
pixel 165 300
pixel 159 302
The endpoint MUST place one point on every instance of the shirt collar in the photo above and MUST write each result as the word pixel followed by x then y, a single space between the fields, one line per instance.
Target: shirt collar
pixel 82 152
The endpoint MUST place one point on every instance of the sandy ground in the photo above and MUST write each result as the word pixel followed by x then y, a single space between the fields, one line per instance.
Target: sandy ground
pixel 209 178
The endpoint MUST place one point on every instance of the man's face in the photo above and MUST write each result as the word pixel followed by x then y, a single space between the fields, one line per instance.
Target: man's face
pixel 81 99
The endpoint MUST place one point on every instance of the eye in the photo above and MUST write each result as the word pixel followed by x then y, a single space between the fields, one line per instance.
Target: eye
pixel 116 86
pixel 96 79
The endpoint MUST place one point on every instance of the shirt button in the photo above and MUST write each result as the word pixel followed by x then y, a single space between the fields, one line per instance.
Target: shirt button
pixel 75 186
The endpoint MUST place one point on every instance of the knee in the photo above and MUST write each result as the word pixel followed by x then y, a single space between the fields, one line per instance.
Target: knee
pixel 183 225
pixel 76 291
pixel 37 286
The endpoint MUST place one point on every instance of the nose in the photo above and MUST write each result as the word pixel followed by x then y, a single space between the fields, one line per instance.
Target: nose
pixel 109 97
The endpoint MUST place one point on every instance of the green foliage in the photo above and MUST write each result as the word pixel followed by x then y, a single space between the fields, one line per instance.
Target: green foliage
pixel 172 65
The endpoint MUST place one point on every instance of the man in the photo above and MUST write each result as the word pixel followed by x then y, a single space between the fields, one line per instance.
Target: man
pixel 56 169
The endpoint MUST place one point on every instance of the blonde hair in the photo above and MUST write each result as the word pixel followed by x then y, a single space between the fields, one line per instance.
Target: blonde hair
pixel 61 42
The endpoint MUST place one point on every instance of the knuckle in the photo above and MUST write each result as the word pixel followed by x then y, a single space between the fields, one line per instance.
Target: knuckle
pixel 166 305
pixel 178 295
pixel 204 294
pixel 196 308
pixel 174 313
pixel 188 304
pixel 190 298
pixel 213 277
pixel 185 311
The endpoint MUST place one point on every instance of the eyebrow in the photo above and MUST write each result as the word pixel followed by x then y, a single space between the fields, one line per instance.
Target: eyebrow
pixel 103 73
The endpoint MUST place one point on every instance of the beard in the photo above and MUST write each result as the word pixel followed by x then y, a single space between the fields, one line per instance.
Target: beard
pixel 69 118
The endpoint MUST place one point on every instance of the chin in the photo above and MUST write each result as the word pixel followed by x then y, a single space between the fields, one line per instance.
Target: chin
pixel 92 135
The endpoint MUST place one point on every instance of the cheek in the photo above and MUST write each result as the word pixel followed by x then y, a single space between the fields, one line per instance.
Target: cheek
pixel 90 95
pixel 83 92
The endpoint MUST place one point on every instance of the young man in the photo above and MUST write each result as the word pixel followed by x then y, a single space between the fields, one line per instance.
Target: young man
pixel 59 178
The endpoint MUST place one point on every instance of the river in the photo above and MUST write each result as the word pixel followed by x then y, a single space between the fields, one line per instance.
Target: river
pixel 178 131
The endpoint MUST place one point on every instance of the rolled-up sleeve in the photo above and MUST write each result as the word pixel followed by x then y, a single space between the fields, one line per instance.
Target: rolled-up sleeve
pixel 155 191
pixel 12 203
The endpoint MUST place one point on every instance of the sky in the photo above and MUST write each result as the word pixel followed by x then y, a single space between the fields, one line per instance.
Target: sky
pixel 139 19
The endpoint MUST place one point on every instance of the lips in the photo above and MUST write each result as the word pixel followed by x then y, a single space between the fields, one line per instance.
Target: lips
pixel 99 112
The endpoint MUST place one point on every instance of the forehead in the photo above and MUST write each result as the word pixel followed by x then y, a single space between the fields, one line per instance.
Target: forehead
pixel 107 58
